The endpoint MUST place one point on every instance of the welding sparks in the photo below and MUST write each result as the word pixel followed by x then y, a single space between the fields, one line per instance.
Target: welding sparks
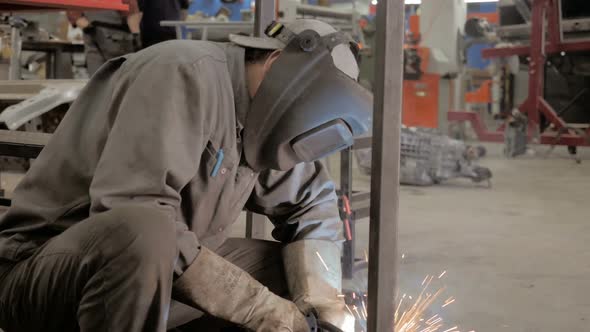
pixel 348 307
pixel 322 260
pixel 364 308
pixel 356 310
pixel 448 301
pixel 411 319
pixel 431 319
pixel 410 313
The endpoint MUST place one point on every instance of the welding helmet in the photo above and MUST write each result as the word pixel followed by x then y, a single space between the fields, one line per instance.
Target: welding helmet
pixel 309 104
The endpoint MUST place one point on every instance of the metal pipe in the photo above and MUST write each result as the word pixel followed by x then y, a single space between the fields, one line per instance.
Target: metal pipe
pixel 324 12
pixel 264 14
pixel 201 24
pixel 537 64
pixel 346 191
pixel 16 45
pixel 383 227
pixel 572 102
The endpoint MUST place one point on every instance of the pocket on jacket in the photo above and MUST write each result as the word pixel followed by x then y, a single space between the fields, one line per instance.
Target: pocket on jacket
pixel 218 163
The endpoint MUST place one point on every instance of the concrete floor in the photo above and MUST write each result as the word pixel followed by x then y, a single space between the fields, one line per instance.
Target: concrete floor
pixel 517 255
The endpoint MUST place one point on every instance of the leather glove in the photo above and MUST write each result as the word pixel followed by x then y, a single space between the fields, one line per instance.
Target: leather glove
pixel 314 285
pixel 216 286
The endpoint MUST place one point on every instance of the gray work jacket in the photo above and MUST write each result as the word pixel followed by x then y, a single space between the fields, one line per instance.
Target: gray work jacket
pixel 148 129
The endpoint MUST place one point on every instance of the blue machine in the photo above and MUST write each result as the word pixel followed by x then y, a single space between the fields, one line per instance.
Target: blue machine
pixel 211 7
pixel 474 59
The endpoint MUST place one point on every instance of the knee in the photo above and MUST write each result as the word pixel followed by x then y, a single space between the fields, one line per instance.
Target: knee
pixel 143 234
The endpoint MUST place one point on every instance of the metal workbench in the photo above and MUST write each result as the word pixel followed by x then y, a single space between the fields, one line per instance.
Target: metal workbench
pixel 12 6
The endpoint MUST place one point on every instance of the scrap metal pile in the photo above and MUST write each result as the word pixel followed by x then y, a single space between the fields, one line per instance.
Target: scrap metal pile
pixel 429 158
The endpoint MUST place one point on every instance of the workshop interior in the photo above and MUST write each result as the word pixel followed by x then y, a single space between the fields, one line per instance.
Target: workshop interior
pixel 461 196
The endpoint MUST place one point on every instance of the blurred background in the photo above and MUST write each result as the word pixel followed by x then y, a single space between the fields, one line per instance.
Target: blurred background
pixel 495 165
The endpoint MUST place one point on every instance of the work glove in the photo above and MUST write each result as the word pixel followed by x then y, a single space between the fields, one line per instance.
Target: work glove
pixel 216 286
pixel 314 278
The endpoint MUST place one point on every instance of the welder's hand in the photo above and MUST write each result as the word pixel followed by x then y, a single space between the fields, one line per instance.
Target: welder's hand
pixel 223 290
pixel 278 314
pixel 314 278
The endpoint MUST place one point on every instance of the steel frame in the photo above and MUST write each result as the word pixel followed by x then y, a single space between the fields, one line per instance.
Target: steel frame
pixel 383 227
pixel 546 38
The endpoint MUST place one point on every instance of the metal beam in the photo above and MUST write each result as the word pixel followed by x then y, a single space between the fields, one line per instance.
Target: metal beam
pixel 255 226
pixel 383 251
pixel 478 125
pixel 265 13
pixel 16 44
pixel 22 144
pixel 346 191
pixel 523 8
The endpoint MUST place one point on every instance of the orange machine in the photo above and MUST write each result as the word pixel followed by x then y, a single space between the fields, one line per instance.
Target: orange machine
pixel 421 92
pixel 421 99
pixel 483 95
pixel 421 89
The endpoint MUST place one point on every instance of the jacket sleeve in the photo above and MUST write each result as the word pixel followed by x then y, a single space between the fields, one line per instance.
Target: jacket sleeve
pixel 154 144
pixel 301 203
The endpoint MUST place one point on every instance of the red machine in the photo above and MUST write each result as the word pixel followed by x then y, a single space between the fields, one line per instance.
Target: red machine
pixel 36 5
pixel 546 39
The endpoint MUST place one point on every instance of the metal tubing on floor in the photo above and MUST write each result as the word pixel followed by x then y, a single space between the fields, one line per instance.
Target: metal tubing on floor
pixel 265 12
pixel 383 251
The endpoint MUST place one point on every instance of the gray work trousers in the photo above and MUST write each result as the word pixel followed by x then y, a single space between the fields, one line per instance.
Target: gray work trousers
pixel 114 272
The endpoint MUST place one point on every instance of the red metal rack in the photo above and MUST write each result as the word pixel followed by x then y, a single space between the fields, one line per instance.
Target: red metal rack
pixel 36 5
pixel 546 39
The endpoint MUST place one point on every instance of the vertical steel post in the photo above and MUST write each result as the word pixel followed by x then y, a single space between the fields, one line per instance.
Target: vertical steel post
pixel 265 12
pixel 383 251
pixel 16 45
pixel 554 27
pixel 536 65
pixel 346 190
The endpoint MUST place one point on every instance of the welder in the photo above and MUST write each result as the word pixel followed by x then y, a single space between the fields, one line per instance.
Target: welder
pixel 121 223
